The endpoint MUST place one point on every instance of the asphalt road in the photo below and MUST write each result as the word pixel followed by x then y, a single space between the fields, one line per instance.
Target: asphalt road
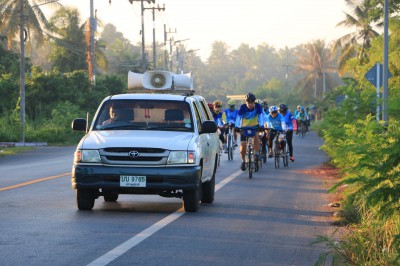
pixel 268 220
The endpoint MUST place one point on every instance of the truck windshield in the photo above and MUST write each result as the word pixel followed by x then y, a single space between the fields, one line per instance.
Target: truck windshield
pixel 144 115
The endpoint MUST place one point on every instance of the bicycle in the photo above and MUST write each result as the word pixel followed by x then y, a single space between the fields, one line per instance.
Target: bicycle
pixel 263 153
pixel 251 165
pixel 280 149
pixel 301 128
pixel 230 143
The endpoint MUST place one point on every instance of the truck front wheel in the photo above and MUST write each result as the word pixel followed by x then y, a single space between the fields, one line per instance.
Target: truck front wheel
pixel 191 199
pixel 84 199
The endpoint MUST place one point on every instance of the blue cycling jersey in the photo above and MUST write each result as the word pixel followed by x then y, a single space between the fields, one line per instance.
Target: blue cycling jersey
pixel 230 115
pixel 249 117
pixel 288 117
pixel 277 123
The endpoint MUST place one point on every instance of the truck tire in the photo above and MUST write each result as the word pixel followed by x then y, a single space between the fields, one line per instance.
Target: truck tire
pixel 191 199
pixel 84 199
pixel 209 187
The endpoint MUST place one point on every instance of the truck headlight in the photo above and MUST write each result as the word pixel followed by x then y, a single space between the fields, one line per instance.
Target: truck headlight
pixel 87 156
pixel 178 157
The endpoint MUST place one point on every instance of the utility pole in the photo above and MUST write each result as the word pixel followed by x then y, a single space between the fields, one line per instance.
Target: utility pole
pixel 154 32
pixel 170 53
pixel 178 58
pixel 385 89
pixel 142 31
pixel 22 67
pixel 91 62
pixel 165 47
pixel 23 35
pixel 286 76
pixel 287 66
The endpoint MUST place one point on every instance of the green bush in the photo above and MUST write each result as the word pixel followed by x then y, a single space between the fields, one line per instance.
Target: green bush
pixel 57 129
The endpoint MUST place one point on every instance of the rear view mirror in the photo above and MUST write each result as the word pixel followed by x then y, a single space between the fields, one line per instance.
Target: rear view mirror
pixel 209 127
pixel 79 124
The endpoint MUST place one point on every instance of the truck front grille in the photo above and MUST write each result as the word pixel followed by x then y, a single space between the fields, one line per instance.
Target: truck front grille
pixel 145 156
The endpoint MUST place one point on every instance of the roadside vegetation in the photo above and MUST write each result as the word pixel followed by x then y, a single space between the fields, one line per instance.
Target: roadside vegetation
pixel 13 150
pixel 313 74
pixel 367 154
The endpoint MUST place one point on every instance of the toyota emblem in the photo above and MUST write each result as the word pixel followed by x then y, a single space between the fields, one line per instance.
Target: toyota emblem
pixel 134 154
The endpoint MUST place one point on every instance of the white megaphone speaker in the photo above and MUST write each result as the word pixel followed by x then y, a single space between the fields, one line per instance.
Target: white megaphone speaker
pixel 135 80
pixel 157 80
pixel 183 81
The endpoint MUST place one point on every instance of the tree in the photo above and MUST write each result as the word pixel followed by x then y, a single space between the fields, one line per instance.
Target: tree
pixel 219 69
pixel 69 52
pixel 357 42
pixel 121 55
pixel 314 62
pixel 35 20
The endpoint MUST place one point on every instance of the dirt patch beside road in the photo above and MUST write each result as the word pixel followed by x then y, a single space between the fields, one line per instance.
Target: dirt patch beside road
pixel 330 176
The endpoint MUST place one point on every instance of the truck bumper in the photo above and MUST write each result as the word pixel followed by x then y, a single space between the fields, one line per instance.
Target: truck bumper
pixel 158 179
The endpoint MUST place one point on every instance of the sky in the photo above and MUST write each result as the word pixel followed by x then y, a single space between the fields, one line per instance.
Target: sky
pixel 199 23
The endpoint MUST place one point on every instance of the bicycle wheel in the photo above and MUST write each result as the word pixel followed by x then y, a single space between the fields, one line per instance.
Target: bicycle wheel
pixel 250 161
pixel 285 156
pixel 230 147
pixel 264 156
pixel 303 129
pixel 276 153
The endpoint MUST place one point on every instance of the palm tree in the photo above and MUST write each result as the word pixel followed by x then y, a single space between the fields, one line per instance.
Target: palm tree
pixel 70 47
pixel 315 62
pixel 69 51
pixel 35 20
pixel 357 42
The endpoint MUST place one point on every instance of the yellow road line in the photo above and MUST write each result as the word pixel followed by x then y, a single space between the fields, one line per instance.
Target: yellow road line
pixel 33 181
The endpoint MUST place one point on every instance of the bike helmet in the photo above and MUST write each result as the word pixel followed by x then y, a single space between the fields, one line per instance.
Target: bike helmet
pixel 283 107
pixel 264 104
pixel 217 104
pixel 231 102
pixel 258 101
pixel 273 109
pixel 250 97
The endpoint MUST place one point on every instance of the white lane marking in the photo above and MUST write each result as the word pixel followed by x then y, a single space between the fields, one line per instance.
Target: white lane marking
pixel 227 180
pixel 127 245
pixel 132 242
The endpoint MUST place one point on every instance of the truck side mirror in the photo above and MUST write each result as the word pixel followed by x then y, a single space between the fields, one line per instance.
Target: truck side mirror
pixel 79 124
pixel 208 127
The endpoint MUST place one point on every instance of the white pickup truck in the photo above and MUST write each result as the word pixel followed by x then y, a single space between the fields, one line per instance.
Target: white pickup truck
pixel 159 142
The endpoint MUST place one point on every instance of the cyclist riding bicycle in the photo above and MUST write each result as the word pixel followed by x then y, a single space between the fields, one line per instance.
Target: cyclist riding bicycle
pixel 275 122
pixel 249 115
pixel 217 114
pixel 287 115
pixel 264 135
pixel 265 106
pixel 301 116
pixel 229 116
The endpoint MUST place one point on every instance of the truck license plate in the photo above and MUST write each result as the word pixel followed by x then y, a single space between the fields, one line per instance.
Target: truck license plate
pixel 132 181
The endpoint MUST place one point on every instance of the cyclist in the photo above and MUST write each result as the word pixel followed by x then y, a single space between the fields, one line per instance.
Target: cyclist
pixel 229 116
pixel 265 106
pixel 301 117
pixel 287 115
pixel 217 114
pixel 249 115
pixel 275 122
pixel 264 136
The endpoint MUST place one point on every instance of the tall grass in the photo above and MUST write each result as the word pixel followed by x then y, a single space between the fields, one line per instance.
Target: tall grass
pixel 368 155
